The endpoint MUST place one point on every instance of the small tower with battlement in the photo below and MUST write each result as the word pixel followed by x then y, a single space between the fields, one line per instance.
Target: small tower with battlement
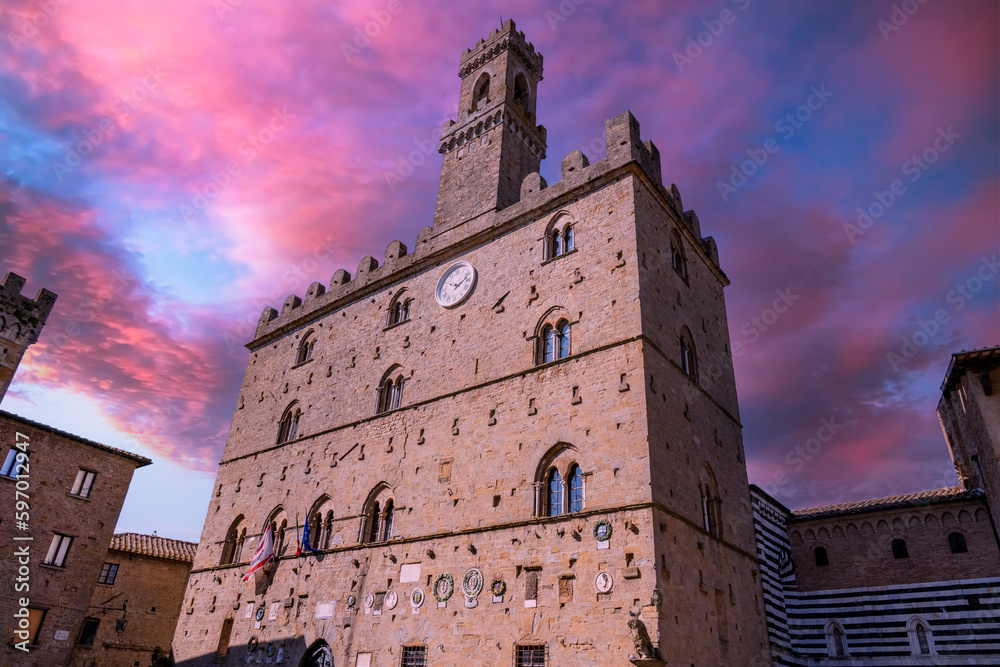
pixel 494 143
pixel 21 321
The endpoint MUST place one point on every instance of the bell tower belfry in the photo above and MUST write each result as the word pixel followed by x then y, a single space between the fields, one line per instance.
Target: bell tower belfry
pixel 494 143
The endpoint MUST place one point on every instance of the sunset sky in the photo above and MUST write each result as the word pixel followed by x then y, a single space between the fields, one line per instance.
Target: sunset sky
pixel 169 169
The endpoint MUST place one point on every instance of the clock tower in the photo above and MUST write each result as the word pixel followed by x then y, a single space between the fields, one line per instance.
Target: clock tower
pixel 494 142
pixel 530 415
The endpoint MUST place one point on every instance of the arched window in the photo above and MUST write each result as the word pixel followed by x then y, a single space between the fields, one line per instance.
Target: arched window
pixel 922 645
pixel 562 330
pixel 399 308
pixel 373 519
pixel 240 541
pixel 822 559
pixel 316 525
pixel 689 360
pixel 521 92
pixel 279 524
pixel 836 640
pixel 289 427
pixel 315 532
pixel 481 91
pixel 711 502
pixel 387 520
pixel 575 489
pixel 559 481
pixel 233 543
pixel 378 515
pixel 390 390
pixel 899 549
pixel 279 536
pixel 957 543
pixel 548 344
pixel 306 348
pixel 561 237
pixel 327 530
pixel 677 258
pixel 555 493
pixel 921 638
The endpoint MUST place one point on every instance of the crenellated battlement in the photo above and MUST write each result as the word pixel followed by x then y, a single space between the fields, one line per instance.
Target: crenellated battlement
pixel 506 38
pixel 625 147
pixel 22 318
pixel 21 321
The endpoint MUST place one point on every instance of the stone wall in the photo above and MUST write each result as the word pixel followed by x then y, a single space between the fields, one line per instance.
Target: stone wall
pixel 55 458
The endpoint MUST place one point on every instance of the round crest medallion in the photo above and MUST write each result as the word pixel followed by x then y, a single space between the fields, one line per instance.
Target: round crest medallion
pixel 602 530
pixel 417 598
pixel 444 586
pixel 390 600
pixel 472 583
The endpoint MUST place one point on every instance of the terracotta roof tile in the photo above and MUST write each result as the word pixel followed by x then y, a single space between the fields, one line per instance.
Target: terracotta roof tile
pixel 152 545
pixel 931 496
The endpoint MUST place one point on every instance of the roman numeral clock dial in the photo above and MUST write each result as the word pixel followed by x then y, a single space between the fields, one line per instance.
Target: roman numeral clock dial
pixel 455 284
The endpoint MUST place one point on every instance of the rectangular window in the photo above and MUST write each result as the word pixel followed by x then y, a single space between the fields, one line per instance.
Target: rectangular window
pixel 414 656
pixel 58 550
pixel 530 655
pixel 89 632
pixel 84 482
pixel 35 618
pixel 11 466
pixel 108 574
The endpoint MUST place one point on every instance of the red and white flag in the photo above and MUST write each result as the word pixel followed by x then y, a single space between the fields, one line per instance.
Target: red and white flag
pixel 264 553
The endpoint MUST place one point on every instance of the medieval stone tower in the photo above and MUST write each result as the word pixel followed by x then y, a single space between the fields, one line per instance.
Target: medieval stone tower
pixel 21 320
pixel 518 443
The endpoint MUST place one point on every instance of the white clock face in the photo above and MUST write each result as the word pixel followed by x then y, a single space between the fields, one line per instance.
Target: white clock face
pixel 456 284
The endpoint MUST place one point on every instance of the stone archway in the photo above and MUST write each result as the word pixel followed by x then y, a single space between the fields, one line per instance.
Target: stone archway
pixel 318 655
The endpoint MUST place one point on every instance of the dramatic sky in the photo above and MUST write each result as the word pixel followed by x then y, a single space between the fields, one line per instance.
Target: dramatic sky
pixel 168 169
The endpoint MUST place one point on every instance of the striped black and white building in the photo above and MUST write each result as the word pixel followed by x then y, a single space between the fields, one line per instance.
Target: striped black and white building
pixel 899 615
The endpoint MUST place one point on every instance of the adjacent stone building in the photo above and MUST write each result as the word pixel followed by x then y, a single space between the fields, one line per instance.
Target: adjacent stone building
pixel 905 580
pixel 517 443
pixel 969 411
pixel 146 575
pixel 61 495
pixel 75 489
